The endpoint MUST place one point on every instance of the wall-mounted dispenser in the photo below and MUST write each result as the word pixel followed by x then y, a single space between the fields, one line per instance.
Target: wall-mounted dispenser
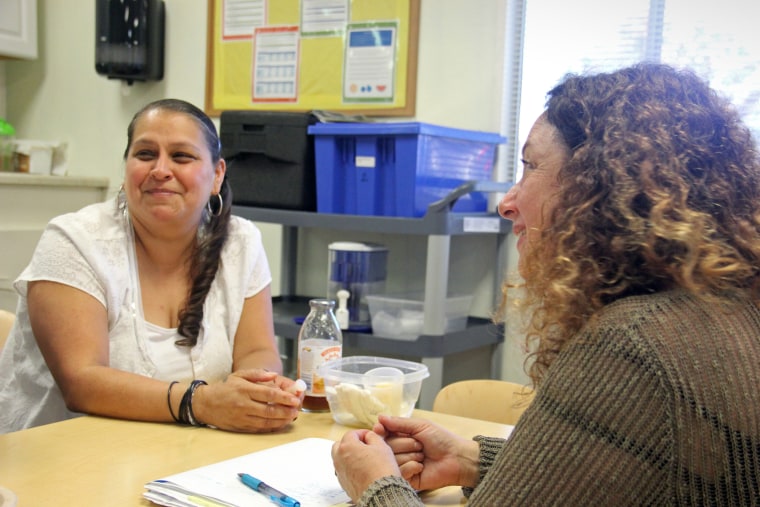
pixel 129 39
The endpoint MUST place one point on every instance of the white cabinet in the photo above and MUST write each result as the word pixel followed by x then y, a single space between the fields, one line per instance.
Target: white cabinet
pixel 27 203
pixel 18 28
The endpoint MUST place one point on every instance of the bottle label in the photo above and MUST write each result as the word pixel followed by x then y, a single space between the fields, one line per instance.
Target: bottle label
pixel 310 357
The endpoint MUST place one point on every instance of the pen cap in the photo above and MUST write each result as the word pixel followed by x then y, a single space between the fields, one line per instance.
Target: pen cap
pixel 287 501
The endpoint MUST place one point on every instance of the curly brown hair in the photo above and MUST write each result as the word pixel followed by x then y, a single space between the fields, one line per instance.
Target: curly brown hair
pixel 661 191
pixel 205 261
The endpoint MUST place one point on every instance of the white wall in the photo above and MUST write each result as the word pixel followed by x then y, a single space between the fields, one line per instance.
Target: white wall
pixel 59 96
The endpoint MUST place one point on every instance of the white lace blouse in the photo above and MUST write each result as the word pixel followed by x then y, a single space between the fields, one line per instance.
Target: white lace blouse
pixel 90 250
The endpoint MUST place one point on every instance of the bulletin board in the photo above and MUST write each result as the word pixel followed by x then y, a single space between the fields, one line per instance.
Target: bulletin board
pixel 346 56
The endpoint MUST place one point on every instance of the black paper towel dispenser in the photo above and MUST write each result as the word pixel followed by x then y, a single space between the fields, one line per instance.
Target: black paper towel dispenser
pixel 129 39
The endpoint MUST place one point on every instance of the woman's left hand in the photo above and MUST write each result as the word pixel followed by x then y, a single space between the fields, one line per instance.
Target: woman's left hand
pixel 252 401
pixel 360 458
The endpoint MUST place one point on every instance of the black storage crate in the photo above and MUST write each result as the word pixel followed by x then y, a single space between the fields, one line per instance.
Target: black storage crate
pixel 270 159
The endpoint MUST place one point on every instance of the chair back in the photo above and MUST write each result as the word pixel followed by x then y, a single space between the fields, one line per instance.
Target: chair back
pixel 6 323
pixel 490 400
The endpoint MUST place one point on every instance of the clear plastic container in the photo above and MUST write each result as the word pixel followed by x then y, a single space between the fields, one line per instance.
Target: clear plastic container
pixel 402 316
pixel 359 388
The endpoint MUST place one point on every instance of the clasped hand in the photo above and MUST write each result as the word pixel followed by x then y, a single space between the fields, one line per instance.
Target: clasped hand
pixel 424 454
pixel 253 401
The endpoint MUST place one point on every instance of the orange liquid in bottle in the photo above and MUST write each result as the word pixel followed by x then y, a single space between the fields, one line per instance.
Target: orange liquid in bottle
pixel 315 404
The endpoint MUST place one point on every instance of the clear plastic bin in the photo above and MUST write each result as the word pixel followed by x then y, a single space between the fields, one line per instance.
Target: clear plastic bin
pixel 402 316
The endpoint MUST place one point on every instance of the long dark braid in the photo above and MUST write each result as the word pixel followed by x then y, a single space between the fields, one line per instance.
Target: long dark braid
pixel 204 266
pixel 215 229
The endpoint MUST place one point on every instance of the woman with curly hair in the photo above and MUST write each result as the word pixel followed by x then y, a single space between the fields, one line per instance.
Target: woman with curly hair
pixel 638 224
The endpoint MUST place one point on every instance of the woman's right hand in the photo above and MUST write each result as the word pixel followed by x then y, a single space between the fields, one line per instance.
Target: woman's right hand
pixel 252 401
pixel 429 456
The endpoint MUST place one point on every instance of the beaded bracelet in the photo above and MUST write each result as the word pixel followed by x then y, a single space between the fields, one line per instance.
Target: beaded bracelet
pixel 169 400
pixel 186 415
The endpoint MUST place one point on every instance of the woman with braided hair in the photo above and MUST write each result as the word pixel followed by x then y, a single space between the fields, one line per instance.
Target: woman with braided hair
pixel 154 305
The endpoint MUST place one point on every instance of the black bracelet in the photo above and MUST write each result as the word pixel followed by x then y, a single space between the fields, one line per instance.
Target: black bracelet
pixel 186 415
pixel 193 386
pixel 169 400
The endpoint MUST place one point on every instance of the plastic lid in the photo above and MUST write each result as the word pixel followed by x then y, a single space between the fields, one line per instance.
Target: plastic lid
pixel 352 246
pixel 379 128
pixel 352 369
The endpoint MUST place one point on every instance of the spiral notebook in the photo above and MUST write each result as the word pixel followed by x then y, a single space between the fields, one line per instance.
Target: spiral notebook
pixel 302 469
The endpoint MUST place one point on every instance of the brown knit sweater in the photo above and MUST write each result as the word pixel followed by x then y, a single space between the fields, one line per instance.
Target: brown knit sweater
pixel 655 402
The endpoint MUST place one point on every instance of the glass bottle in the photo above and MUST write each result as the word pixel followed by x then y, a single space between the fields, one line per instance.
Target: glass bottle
pixel 319 340
pixel 7 146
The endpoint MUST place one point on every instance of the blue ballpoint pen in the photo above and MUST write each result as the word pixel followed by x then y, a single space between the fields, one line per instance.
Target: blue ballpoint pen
pixel 278 497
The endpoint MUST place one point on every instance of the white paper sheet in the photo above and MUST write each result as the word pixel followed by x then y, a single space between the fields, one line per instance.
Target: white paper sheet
pixel 302 469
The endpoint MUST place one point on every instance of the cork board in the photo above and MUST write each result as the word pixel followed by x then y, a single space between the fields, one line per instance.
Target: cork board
pixel 347 56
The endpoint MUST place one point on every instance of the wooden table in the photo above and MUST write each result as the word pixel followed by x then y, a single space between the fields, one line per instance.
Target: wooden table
pixel 92 461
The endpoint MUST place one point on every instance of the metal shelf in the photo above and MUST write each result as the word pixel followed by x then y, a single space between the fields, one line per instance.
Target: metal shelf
pixel 438 225
pixel 453 224
pixel 479 333
pixel 439 219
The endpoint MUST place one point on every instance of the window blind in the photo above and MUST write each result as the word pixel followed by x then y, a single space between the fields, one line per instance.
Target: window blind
pixel 597 35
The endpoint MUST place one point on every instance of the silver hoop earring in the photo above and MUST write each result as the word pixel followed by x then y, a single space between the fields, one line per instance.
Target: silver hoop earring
pixel 210 208
pixel 121 199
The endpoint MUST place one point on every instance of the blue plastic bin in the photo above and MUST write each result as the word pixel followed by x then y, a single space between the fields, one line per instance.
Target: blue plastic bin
pixel 398 169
